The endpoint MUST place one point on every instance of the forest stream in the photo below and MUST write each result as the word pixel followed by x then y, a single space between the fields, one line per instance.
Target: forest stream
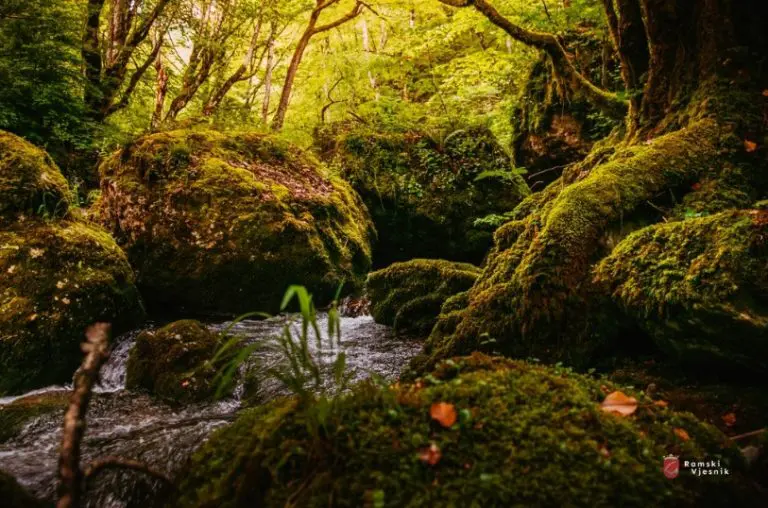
pixel 127 424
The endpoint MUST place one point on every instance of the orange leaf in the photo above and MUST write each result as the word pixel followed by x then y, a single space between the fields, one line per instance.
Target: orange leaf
pixel 682 434
pixel 750 146
pixel 619 403
pixel 729 419
pixel 661 403
pixel 430 455
pixel 444 413
pixel 765 92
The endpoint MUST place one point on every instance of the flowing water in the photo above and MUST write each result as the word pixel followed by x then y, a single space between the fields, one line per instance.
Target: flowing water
pixel 132 425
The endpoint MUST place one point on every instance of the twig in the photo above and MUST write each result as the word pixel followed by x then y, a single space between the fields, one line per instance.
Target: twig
pixel 95 349
pixel 99 465
pixel 747 434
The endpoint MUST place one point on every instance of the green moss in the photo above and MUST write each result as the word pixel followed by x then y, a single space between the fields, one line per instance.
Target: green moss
pixel 553 127
pixel 408 296
pixel 219 223
pixel 175 362
pixel 699 287
pixel 58 278
pixel 535 297
pixel 525 436
pixel 14 495
pixel 425 196
pixel 16 415
pixel 30 182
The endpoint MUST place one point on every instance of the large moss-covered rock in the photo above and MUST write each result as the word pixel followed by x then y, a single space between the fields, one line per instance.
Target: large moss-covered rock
pixel 176 362
pixel 425 196
pixel 13 495
pixel 408 295
pixel 16 415
pixel 524 435
pixel 30 182
pixel 699 287
pixel 59 274
pixel 224 224
pixel 57 278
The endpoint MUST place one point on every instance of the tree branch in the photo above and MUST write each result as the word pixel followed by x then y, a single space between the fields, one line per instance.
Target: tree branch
pixel 95 349
pixel 355 12
pixel 608 102
pixel 105 463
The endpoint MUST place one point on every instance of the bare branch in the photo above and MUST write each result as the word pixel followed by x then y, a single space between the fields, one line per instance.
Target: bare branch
pixel 606 101
pixel 99 465
pixel 95 349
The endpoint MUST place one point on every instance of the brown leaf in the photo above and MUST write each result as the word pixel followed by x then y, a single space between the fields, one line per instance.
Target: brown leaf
pixel 661 403
pixel 444 413
pixel 729 419
pixel 430 455
pixel 765 92
pixel 682 434
pixel 619 403
pixel 750 146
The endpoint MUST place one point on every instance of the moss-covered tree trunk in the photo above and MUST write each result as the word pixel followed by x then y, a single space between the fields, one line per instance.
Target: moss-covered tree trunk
pixel 694 142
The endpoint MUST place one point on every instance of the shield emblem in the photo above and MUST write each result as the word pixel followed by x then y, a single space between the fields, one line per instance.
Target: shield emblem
pixel 671 466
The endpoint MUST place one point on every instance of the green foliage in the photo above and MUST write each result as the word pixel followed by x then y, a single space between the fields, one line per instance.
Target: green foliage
pixel 40 72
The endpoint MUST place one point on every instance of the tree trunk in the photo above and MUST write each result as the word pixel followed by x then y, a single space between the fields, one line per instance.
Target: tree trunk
pixel 696 138
pixel 268 78
pixel 311 30
pixel 161 89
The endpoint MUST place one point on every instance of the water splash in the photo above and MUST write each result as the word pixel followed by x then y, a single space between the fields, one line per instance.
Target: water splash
pixel 133 425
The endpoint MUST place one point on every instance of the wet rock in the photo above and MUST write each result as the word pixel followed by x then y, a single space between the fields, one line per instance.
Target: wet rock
pixel 176 363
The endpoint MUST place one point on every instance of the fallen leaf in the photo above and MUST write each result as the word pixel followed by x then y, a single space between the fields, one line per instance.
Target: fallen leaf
pixel 661 403
pixel 444 413
pixel 750 146
pixel 682 434
pixel 430 455
pixel 619 403
pixel 729 419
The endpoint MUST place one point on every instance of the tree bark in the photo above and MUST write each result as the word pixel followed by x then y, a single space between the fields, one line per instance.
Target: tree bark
pixel 107 61
pixel 70 475
pixel 310 31
pixel 268 77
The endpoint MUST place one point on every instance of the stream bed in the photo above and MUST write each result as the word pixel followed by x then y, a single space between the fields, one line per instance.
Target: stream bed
pixel 127 424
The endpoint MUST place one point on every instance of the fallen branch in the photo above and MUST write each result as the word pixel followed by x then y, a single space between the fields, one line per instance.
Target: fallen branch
pixel 105 463
pixel 70 476
pixel 747 434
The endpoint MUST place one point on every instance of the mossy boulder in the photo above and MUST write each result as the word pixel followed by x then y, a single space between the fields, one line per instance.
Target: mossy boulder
pixel 14 495
pixel 16 415
pixel 59 273
pixel 426 195
pixel 524 435
pixel 58 278
pixel 408 295
pixel 699 287
pixel 176 362
pixel 30 182
pixel 223 224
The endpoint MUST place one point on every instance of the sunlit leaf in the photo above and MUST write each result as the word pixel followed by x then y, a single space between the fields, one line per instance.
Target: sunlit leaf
pixel 619 403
